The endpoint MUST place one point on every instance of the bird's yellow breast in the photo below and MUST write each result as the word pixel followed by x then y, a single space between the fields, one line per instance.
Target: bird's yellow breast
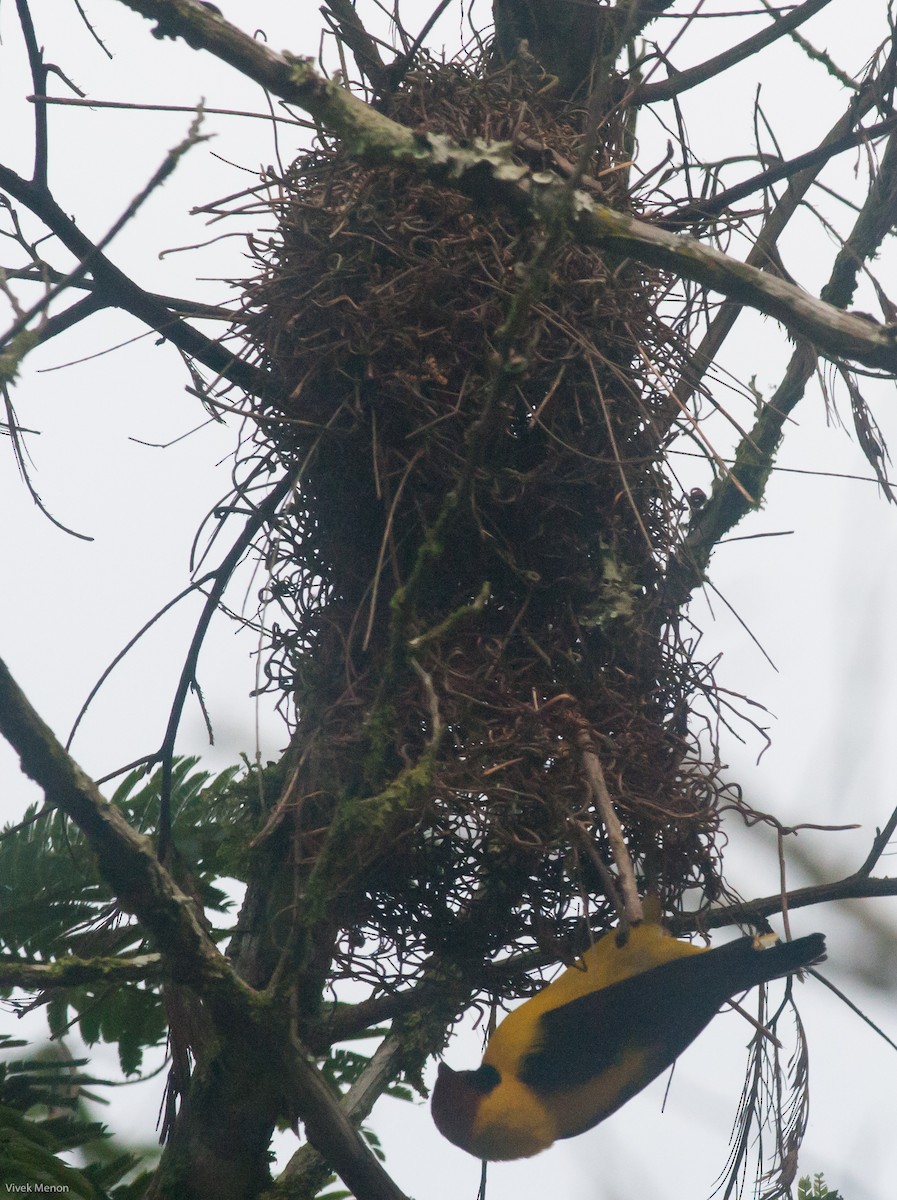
pixel 511 1123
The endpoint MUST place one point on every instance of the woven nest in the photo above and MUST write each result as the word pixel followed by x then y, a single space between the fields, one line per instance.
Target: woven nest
pixel 471 568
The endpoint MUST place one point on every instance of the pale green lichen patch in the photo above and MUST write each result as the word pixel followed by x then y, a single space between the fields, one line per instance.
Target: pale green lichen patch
pixel 11 357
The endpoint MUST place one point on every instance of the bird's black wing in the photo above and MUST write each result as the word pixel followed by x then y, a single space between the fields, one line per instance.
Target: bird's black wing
pixel 660 1011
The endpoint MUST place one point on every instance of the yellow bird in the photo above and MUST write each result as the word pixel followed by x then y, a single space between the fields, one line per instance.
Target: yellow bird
pixel 583 1046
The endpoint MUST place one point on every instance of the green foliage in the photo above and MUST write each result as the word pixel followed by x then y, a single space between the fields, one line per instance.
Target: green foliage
pixel 54 903
pixel 212 820
pixel 51 894
pixel 129 1014
pixel 42 1115
pixel 815 1189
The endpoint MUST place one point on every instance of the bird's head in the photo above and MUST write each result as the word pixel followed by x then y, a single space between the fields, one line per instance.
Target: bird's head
pixel 457 1097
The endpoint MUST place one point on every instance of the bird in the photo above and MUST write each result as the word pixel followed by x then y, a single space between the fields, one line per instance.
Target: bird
pixel 603 1030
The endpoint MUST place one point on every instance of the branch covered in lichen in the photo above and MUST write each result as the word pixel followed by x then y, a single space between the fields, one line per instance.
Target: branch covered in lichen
pixel 74 972
pixel 742 488
pixel 489 173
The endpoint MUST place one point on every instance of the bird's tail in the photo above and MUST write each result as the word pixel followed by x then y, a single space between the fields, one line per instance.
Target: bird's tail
pixel 750 963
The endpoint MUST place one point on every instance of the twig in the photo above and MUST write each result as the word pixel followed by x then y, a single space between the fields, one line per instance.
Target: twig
pixel 402 64
pixel 39 80
pixel 651 93
pixel 347 1020
pixel 222 575
pixel 185 308
pixel 133 106
pixel 850 1004
pixel 871 95
pixel 762 1029
pixel 783 882
pixel 756 451
pixel 879 845
pixel 129 645
pixel 432 704
pixel 852 887
pixel 384 545
pixel 350 29
pixel 748 912
pixel 159 176
pixel 702 210
pixel 632 904
pixel 607 876
pixel 820 56
pixel 120 291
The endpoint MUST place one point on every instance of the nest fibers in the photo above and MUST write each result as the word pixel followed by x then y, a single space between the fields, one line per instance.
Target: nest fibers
pixel 472 566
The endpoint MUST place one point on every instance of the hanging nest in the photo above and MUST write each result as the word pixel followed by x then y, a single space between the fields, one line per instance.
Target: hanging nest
pixel 471 568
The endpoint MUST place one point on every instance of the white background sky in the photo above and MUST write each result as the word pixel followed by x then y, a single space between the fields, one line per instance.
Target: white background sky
pixel 819 600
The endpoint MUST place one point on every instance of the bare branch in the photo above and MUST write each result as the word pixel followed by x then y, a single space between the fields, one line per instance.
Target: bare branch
pixel 701 210
pixel 118 290
pixel 820 56
pixel 834 332
pixel 335 1137
pixel 854 887
pixel 879 845
pixel 875 91
pixel 144 887
pixel 304 1174
pixel 347 1020
pixel 178 304
pixel 651 93
pixel 342 16
pixel 159 176
pixel 222 576
pixel 39 79
pixel 857 886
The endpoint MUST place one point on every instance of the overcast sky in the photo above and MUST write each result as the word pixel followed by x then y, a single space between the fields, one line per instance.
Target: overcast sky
pixel 820 600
